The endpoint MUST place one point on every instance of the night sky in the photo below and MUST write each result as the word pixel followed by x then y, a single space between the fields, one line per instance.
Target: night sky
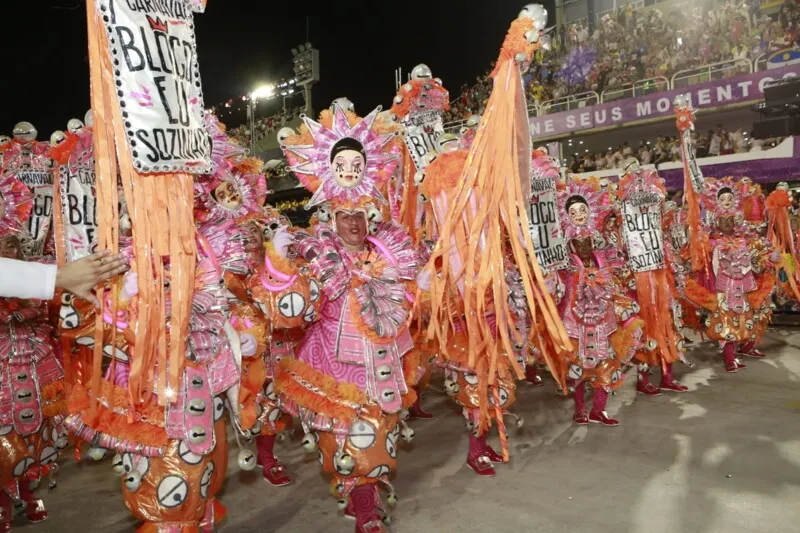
pixel 243 43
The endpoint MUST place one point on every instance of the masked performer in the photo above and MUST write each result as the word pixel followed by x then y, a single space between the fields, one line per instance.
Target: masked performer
pixel 782 235
pixel 642 195
pixel 599 316
pixel 230 202
pixel 483 274
pixel 347 382
pixel 32 400
pixel 736 289
pixel 418 108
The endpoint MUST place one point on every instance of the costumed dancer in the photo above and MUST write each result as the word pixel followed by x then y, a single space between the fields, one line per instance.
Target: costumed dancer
pixel 347 383
pixel 418 108
pixel 171 353
pixel 548 241
pixel 598 314
pixel 32 399
pixel 735 289
pixel 484 264
pixel 230 202
pixel 642 194
pixel 782 235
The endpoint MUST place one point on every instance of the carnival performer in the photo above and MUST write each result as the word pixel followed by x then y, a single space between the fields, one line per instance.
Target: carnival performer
pixel 347 382
pixel 418 108
pixel 736 289
pixel 782 235
pixel 642 193
pixel 483 274
pixel 163 352
pixel 32 401
pixel 598 314
pixel 229 202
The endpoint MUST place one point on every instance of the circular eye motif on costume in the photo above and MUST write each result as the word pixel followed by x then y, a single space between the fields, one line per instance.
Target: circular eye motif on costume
pixel 503 395
pixel 616 376
pixel 205 480
pixel 313 290
pixel 117 465
pixel 292 305
pixel 23 465
pixel 5 430
pixel 219 408
pixel 575 372
pixel 172 491
pixel 310 315
pixel 274 415
pixel 320 458
pixel 362 435
pixel 391 442
pixel 187 456
pixel 471 379
pixel 48 455
pixel 379 471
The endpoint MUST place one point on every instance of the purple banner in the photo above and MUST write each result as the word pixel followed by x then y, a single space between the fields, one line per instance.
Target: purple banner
pixel 659 104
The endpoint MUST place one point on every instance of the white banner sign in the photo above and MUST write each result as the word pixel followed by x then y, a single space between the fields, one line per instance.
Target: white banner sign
pixel 41 184
pixel 422 130
pixel 545 229
pixel 643 233
pixel 158 83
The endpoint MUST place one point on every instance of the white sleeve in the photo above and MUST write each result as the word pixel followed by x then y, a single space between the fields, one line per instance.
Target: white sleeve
pixel 20 279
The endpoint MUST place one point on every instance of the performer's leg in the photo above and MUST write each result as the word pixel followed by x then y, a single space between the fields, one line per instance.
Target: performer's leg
pixel 34 508
pixel 749 349
pixel 476 458
pixel 729 356
pixel 580 404
pixel 368 519
pixel 416 411
pixel 532 375
pixel 668 382
pixel 274 472
pixel 598 414
pixel 6 512
pixel 643 385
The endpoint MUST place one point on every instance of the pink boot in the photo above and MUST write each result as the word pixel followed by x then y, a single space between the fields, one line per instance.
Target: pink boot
pixel 749 350
pixel 368 519
pixel 643 385
pixel 732 365
pixel 532 376
pixel 273 471
pixel 416 411
pixel 477 459
pixel 598 414
pixel 668 382
pixel 580 417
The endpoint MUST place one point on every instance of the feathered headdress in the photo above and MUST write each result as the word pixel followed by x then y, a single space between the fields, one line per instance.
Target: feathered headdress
pixel 311 155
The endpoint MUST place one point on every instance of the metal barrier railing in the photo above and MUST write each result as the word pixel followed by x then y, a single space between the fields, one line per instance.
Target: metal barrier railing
pixel 571 101
pixel 638 88
pixel 760 63
pixel 714 71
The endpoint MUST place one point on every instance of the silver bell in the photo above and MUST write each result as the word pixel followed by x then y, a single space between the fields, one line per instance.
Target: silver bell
pixel 246 459
pixel 133 481
pixel 421 72
pixel 97 454
pixel 117 465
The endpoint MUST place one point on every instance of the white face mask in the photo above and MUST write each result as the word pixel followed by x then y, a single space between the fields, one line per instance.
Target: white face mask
pixel 578 213
pixel 348 168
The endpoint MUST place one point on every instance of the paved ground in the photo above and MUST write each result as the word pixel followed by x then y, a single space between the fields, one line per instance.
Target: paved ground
pixel 723 458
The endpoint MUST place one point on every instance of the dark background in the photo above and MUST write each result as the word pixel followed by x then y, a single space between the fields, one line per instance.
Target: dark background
pixel 245 43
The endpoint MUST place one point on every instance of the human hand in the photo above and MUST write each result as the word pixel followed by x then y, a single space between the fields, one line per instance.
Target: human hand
pixel 281 241
pixel 81 276
pixel 248 344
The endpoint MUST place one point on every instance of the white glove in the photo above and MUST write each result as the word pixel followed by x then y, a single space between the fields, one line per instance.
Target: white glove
pixel 130 285
pixel 248 344
pixel 281 241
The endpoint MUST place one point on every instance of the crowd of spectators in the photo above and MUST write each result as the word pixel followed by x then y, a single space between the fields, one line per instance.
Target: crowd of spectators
pixel 716 142
pixel 264 126
pixel 639 44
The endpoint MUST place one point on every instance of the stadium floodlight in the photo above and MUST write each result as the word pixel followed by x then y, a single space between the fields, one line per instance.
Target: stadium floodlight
pixel 264 91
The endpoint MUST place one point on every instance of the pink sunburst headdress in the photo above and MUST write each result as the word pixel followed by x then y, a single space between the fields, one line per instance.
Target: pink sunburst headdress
pixel 315 167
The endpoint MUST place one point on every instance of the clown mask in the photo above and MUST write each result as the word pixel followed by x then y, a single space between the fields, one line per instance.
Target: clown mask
pixel 348 163
pixel 579 213
pixel 227 196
